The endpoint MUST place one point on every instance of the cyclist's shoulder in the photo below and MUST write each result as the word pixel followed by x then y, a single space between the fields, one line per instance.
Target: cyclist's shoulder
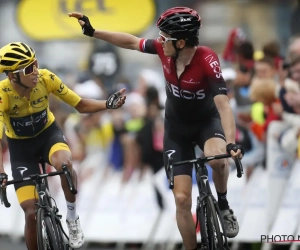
pixel 4 82
pixel 5 86
pixel 46 74
pixel 205 50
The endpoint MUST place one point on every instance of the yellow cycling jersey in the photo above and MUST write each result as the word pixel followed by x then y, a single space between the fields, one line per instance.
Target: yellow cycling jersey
pixel 25 118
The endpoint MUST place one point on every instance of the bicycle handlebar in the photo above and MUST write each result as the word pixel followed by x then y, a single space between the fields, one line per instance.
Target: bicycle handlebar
pixel 65 171
pixel 238 164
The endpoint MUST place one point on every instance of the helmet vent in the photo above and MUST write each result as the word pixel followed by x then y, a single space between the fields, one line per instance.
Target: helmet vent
pixel 15 56
pixel 7 63
pixel 14 44
pixel 28 53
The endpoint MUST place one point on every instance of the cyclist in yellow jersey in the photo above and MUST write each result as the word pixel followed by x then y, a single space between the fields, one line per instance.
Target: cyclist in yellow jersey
pixel 32 132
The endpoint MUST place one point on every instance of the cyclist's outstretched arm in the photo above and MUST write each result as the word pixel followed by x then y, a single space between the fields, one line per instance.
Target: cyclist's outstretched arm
pixel 114 101
pixel 123 40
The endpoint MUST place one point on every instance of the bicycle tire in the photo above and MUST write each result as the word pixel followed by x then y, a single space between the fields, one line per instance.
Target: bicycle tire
pixel 215 237
pixel 47 232
pixel 201 215
pixel 61 235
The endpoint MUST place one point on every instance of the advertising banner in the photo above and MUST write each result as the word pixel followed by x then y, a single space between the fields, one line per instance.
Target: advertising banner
pixel 49 20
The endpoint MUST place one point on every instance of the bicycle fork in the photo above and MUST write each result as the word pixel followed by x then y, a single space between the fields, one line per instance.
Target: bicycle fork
pixel 204 191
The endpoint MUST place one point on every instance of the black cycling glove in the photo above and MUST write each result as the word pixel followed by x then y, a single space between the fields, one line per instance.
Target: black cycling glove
pixel 87 28
pixel 235 148
pixel 112 100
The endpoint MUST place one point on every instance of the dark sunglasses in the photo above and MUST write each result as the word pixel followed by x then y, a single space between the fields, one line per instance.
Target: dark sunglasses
pixel 29 69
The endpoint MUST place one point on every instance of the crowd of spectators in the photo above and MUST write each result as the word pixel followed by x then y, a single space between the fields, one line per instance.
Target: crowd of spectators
pixel 263 86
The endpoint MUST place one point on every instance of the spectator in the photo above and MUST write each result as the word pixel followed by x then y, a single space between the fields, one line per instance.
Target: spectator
pixel 294 48
pixel 150 137
pixel 150 78
pixel 272 50
pixel 265 68
pixel 254 148
pixel 244 74
pixel 289 109
pixel 263 91
pixel 235 38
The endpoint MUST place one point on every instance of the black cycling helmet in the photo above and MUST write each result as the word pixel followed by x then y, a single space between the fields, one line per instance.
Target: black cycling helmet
pixel 180 22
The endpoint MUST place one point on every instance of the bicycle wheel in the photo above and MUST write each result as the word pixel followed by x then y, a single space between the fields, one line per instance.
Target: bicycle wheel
pixel 215 238
pixel 47 232
pixel 61 234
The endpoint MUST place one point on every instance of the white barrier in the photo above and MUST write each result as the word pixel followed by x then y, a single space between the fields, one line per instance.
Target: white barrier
pixel 254 221
pixel 287 218
pixel 123 213
pixel 11 217
pixel 278 167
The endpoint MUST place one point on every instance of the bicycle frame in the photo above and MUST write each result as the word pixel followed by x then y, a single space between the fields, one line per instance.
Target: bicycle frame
pixel 44 202
pixel 204 191
pixel 202 179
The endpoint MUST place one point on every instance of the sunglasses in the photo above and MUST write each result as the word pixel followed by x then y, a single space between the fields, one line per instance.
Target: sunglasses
pixel 166 39
pixel 29 69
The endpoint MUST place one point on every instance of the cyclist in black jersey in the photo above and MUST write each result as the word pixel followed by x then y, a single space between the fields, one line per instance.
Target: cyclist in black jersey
pixel 197 106
pixel 32 132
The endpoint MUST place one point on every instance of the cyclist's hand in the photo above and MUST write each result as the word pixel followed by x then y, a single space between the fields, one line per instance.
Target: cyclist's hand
pixel 3 179
pixel 116 100
pixel 235 150
pixel 86 26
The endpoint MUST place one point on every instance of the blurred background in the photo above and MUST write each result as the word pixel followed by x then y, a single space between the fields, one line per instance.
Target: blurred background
pixel 123 199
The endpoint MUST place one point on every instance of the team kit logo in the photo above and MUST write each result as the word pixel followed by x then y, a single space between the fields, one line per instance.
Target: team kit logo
pixel 214 64
pixel 182 93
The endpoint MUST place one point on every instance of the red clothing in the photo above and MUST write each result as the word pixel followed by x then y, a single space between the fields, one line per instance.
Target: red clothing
pixel 271 116
pixel 229 53
pixel 190 97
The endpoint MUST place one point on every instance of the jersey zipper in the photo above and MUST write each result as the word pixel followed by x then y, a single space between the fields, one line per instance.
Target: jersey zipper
pixel 30 107
pixel 180 77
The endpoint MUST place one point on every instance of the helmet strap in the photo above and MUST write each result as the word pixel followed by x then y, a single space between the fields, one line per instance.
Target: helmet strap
pixel 177 50
pixel 19 82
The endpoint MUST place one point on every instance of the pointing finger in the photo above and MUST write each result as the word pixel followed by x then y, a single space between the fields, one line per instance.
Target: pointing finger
pixel 121 91
pixel 75 14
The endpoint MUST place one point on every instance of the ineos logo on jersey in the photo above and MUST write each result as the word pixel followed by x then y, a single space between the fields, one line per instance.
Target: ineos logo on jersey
pixel 218 71
pixel 29 120
pixel 213 63
pixel 182 93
